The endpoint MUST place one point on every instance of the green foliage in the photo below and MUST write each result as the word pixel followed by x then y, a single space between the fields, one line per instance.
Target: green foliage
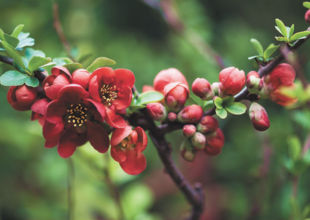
pixel 12 78
pixel 100 62
pixel 224 105
pixel 306 5
pixel 148 97
pixel 263 55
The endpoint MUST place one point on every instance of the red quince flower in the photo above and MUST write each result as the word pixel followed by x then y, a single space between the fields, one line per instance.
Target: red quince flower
pixel 39 110
pixel 71 120
pixel 112 91
pixel 21 97
pixel 190 114
pixel 202 88
pixel 282 76
pixel 172 83
pixel 127 146
pixel 232 80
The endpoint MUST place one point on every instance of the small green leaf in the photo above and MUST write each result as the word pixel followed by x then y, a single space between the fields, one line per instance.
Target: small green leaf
pixel 13 41
pixel 208 105
pixel 299 35
pixel 13 54
pixel 291 31
pixel 17 30
pixel 294 147
pixel 60 61
pixel 12 78
pixel 253 57
pixel 306 4
pixel 37 62
pixel 148 97
pixel 24 40
pixel 32 81
pixel 222 113
pixel 29 53
pixel 100 62
pixel 270 50
pixel 218 102
pixel 236 108
pixel 73 66
pixel 281 27
pixel 281 39
pixel 258 47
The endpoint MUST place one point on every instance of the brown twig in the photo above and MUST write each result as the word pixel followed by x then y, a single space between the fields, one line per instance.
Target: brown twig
pixel 59 31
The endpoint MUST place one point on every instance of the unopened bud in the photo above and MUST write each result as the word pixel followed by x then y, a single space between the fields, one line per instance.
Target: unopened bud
pixel 232 80
pixel 213 151
pixel 157 111
pixel 190 114
pixel 207 124
pixel 21 97
pixel 198 141
pixel 172 116
pixel 217 88
pixel 259 117
pixel 216 139
pixel 202 88
pixel 188 155
pixel 189 130
pixel 254 83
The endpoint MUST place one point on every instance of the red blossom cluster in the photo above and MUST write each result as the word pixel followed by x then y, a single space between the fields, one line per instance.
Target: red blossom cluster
pixel 77 107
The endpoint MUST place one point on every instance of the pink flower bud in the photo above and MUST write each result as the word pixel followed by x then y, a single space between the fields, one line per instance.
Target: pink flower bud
pixel 172 116
pixel 254 82
pixel 232 79
pixel 81 76
pixel 21 97
pixel 190 114
pixel 189 130
pixel 259 117
pixel 176 95
pixel 216 139
pixel 207 124
pixel 217 88
pixel 157 111
pixel 198 141
pixel 202 88
pixel 307 16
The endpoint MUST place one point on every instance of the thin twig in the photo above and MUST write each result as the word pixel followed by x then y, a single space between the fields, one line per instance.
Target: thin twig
pixel 59 31
pixel 70 188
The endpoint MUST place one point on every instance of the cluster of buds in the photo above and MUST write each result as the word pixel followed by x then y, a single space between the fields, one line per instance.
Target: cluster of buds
pixel 77 107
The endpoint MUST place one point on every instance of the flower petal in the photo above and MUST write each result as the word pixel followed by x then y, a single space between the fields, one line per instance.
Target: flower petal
pixel 120 134
pixel 52 130
pixel 124 99
pixel 55 112
pixel 118 154
pixel 68 142
pixel 57 70
pixel 115 120
pixel 98 137
pixel 72 93
pixel 124 78
pixel 142 139
pixel 134 164
pixel 99 107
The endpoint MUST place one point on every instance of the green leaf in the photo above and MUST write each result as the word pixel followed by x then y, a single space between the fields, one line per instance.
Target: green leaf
pixel 208 105
pixel 13 54
pixel 299 35
pixel 60 61
pixel 1 34
pixel 291 31
pixel 218 102
pixel 294 147
pixel 73 66
pixel 13 41
pixel 32 81
pixel 270 50
pixel 149 97
pixel 281 27
pixel 24 40
pixel 282 39
pixel 29 53
pixel 306 4
pixel 37 62
pixel 253 57
pixel 100 62
pixel 258 47
pixel 222 113
pixel 17 30
pixel 236 108
pixel 12 78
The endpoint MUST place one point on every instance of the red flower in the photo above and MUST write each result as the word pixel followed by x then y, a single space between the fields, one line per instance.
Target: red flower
pixel 71 120
pixel 232 80
pixel 54 83
pixel 111 89
pixel 202 88
pixel 190 114
pixel 39 110
pixel 259 117
pixel 172 83
pixel 282 76
pixel 127 146
pixel 21 97
pixel 81 77
pixel 215 142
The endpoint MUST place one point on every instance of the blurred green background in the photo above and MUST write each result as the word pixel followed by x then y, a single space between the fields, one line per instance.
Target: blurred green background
pixel 249 180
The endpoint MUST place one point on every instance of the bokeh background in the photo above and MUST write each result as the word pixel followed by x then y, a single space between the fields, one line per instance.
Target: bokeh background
pixel 249 180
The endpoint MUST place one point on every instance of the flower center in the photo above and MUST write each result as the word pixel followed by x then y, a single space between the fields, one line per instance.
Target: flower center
pixel 76 115
pixel 108 94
